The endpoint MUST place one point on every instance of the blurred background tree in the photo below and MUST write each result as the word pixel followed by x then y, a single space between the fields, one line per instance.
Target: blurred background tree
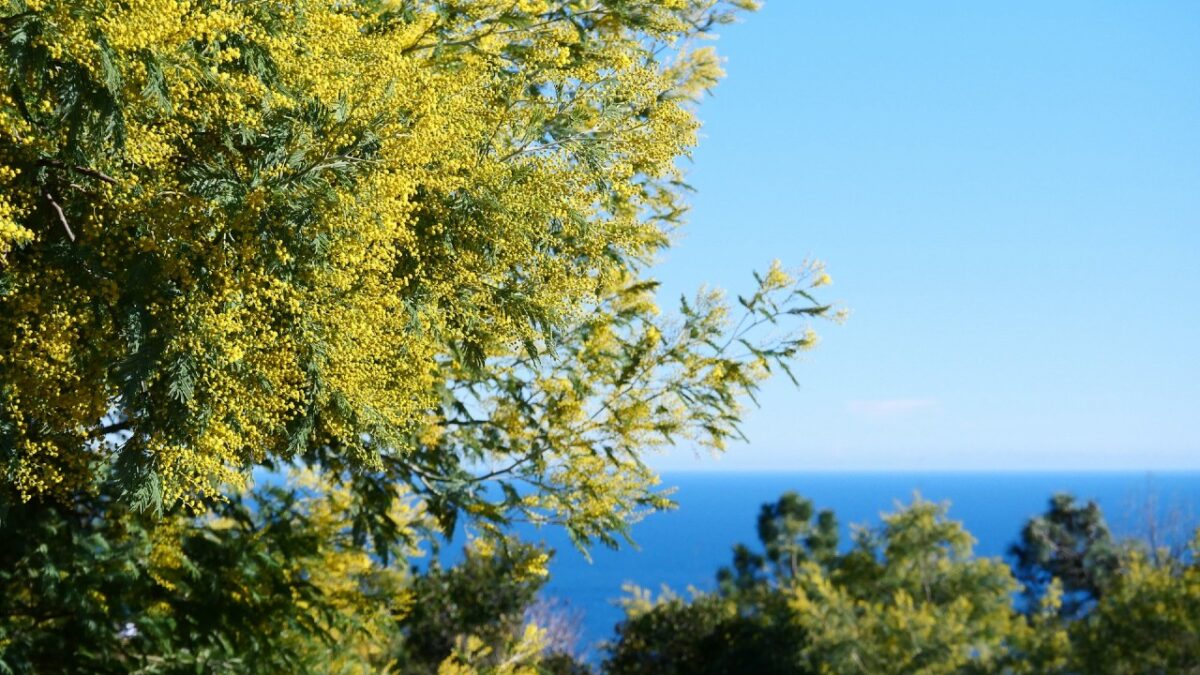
pixel 909 596
pixel 1071 543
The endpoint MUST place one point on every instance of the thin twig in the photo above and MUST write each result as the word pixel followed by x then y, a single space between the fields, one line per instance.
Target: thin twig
pixel 80 169
pixel 492 32
pixel 94 174
pixel 499 472
pixel 62 217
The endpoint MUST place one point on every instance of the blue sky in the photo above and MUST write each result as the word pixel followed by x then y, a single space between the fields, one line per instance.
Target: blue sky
pixel 1007 196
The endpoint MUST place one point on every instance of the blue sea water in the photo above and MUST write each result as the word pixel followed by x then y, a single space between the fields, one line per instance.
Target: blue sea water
pixel 685 547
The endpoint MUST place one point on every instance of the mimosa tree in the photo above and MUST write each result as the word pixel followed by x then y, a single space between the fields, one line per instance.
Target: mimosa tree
pixel 398 241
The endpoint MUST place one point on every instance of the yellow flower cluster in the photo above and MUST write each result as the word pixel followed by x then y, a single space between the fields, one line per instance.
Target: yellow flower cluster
pixel 250 229
pixel 12 233
pixel 473 656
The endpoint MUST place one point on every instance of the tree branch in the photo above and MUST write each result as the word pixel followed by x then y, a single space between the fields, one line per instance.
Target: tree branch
pixel 115 427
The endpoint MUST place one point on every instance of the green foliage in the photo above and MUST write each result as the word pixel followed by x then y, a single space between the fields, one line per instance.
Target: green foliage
pixel 790 537
pixel 1147 621
pixel 484 597
pixel 706 635
pixel 61 568
pixel 267 582
pixel 95 587
pixel 273 581
pixel 909 597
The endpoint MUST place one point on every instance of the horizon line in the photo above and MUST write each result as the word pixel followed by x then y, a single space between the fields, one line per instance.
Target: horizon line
pixel 910 470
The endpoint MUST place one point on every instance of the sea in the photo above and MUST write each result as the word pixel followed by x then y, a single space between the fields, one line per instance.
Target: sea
pixel 683 548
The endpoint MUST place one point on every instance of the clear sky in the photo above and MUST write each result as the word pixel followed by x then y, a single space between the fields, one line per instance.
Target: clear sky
pixel 1007 195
